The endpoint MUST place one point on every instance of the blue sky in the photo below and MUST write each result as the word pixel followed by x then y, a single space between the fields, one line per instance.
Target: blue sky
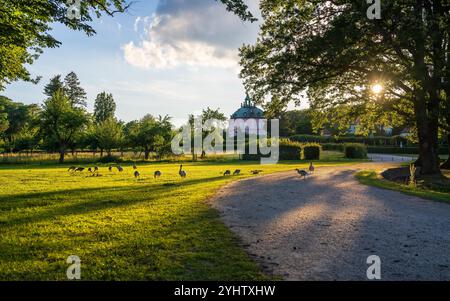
pixel 162 57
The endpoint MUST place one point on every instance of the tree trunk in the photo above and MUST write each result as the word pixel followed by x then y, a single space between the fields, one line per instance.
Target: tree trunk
pixel 147 153
pixel 101 152
pixel 61 155
pixel 446 164
pixel 428 141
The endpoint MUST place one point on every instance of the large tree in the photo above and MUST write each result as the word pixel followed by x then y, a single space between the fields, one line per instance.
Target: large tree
pixel 17 119
pixel 108 135
pixel 335 53
pixel 25 29
pixel 61 122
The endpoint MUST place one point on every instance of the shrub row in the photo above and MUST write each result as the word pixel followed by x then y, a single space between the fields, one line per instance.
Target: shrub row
pixel 388 141
pixel 355 151
pixel 404 150
pixel 289 150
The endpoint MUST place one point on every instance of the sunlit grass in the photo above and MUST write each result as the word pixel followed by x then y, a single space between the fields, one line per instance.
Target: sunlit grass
pixel 370 177
pixel 122 228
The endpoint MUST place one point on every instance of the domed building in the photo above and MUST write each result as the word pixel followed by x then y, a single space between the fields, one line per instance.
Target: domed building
pixel 248 118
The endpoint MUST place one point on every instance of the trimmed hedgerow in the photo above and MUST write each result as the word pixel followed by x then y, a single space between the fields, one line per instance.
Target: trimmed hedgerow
pixel 311 151
pixel 355 151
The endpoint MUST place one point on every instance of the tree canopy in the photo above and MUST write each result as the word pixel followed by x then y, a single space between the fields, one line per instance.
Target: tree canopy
pixel 331 52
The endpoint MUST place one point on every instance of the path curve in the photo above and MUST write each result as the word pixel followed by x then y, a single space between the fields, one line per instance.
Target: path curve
pixel 325 227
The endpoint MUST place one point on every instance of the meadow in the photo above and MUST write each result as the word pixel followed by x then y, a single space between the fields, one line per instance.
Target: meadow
pixel 123 228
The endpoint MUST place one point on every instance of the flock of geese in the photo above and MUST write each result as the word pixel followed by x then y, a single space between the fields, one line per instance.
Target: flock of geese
pixel 95 171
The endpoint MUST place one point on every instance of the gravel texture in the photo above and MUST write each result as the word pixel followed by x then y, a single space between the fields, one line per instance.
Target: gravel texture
pixel 325 227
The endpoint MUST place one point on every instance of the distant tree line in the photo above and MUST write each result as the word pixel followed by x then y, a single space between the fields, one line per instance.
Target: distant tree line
pixel 63 124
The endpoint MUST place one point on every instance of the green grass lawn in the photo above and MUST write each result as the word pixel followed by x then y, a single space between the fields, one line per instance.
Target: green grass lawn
pixel 371 177
pixel 120 227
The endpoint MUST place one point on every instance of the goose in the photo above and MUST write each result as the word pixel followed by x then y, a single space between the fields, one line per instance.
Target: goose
pixel 302 172
pixel 110 168
pixel 72 168
pixel 95 168
pixel 311 167
pixel 227 173
pixel 134 166
pixel 256 172
pixel 119 168
pixel 80 169
pixel 236 172
pixel 90 169
pixel 157 174
pixel 137 174
pixel 182 173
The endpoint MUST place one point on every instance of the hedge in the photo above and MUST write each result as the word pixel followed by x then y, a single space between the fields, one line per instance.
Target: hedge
pixel 311 151
pixel 443 150
pixel 355 151
pixel 288 151
pixel 333 147
pixel 377 140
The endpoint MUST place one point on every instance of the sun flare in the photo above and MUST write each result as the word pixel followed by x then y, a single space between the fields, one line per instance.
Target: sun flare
pixel 377 88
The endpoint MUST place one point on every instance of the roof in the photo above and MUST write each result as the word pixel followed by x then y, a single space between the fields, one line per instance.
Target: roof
pixel 248 110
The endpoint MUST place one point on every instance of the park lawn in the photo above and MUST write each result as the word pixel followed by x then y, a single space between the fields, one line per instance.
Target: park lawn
pixel 372 178
pixel 120 227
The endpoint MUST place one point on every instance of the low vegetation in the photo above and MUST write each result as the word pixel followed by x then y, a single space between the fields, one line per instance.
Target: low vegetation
pixel 371 177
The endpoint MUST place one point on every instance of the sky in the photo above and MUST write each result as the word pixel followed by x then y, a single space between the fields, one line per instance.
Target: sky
pixel 172 57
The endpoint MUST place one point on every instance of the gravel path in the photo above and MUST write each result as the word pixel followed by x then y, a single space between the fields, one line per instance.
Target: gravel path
pixel 325 227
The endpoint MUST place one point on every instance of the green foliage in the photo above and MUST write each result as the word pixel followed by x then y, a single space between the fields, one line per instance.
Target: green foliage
pixel 333 147
pixel 75 93
pixel 108 134
pixel 54 85
pixel 404 150
pixel 61 122
pixel 335 54
pixel 26 30
pixel 311 151
pixel 104 107
pixel 295 122
pixel 312 138
pixel 290 150
pixel 150 134
pixel 355 151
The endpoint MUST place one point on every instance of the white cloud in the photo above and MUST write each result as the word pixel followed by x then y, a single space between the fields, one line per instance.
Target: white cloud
pixel 189 32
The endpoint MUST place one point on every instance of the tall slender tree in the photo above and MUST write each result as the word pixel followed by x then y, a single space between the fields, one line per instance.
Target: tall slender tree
pixel 104 107
pixel 54 85
pixel 73 90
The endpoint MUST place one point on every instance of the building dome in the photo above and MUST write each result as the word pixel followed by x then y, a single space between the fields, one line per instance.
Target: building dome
pixel 248 111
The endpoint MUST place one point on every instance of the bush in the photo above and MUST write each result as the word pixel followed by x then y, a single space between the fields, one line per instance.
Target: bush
pixel 288 151
pixel 311 151
pixel 339 147
pixel 109 159
pixel 355 151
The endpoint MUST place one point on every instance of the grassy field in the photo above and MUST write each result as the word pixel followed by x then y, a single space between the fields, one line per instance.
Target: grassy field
pixel 122 228
pixel 371 177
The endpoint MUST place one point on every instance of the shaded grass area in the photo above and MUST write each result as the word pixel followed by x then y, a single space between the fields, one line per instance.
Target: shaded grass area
pixel 122 228
pixel 372 178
